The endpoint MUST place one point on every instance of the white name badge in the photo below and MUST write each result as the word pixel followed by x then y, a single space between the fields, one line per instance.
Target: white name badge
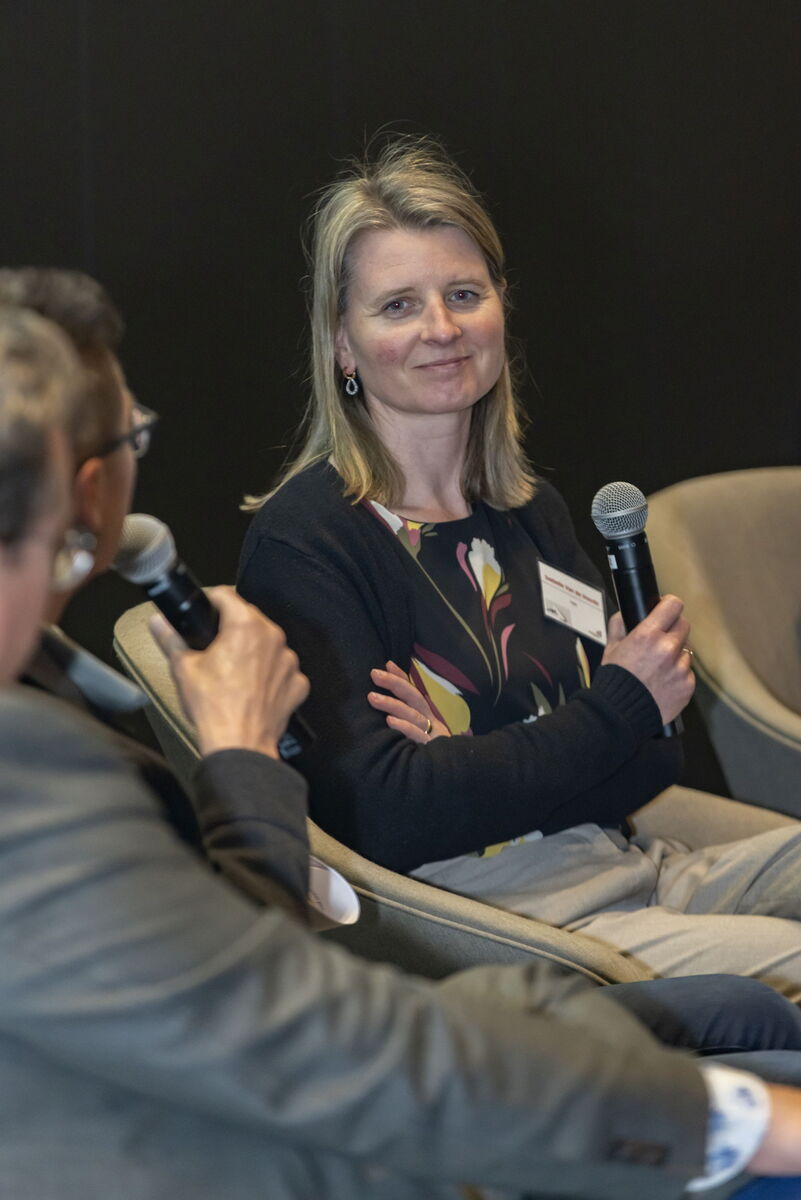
pixel 573 602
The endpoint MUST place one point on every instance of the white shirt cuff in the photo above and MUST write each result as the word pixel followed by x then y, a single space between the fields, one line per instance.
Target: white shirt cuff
pixel 739 1112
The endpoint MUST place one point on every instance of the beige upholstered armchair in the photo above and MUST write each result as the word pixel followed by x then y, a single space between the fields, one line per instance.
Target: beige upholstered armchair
pixel 422 928
pixel 730 546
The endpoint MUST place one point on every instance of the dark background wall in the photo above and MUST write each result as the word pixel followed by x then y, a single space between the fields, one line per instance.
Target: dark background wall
pixel 641 159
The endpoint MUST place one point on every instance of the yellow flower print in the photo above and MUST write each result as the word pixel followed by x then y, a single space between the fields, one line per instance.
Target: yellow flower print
pixel 491 851
pixel 445 698
pixel 484 566
pixel 583 664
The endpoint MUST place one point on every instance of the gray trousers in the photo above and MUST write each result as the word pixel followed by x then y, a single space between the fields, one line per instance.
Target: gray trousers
pixel 732 908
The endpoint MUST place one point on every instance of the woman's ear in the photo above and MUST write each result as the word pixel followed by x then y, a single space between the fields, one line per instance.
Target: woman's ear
pixel 343 352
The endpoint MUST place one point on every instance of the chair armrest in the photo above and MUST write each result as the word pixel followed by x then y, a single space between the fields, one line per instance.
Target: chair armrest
pixel 700 819
pixel 433 932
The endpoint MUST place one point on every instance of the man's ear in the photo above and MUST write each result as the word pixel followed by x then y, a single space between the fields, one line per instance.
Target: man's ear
pixel 88 493
pixel 344 354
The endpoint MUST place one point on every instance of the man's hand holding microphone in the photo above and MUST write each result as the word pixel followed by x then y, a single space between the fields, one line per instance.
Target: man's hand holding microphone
pixel 238 680
pixel 241 691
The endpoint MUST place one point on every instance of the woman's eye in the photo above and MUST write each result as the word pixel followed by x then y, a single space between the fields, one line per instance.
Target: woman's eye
pixel 396 306
pixel 464 296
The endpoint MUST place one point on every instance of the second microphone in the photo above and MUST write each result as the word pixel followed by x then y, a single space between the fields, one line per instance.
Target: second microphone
pixel 619 512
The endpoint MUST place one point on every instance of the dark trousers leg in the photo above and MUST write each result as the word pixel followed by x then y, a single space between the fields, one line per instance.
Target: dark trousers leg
pixel 713 1014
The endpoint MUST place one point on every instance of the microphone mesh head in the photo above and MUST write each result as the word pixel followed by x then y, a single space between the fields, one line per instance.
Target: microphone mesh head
pixel 146 550
pixel 619 510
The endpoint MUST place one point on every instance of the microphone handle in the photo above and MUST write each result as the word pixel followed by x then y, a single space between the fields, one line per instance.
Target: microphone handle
pixel 636 589
pixel 186 606
pixel 190 612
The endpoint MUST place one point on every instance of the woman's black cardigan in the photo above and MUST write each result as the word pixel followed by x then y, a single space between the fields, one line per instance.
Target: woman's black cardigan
pixel 330 575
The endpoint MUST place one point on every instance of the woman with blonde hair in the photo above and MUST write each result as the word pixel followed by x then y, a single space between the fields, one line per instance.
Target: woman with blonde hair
pixel 409 549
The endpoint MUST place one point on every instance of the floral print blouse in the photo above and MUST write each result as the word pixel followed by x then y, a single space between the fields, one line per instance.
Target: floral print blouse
pixel 485 655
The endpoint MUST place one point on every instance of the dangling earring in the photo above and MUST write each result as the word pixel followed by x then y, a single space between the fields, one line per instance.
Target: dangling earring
pixel 351 383
pixel 74 561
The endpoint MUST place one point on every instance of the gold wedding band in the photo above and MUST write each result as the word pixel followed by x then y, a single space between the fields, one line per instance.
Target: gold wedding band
pixel 428 727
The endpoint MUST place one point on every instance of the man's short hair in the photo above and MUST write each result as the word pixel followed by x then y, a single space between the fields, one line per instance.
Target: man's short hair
pixel 75 302
pixel 39 375
pixel 82 308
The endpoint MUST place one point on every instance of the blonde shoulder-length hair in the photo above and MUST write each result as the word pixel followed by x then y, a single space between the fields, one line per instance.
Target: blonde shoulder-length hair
pixel 410 184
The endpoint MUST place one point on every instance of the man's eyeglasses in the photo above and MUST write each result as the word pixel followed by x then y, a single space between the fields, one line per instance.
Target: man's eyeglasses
pixel 138 436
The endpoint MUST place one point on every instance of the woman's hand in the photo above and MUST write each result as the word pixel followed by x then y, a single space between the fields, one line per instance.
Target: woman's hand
pixel 656 652
pixel 406 707
pixel 242 690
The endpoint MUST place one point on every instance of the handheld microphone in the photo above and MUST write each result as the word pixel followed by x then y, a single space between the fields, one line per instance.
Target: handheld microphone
pixel 619 512
pixel 147 557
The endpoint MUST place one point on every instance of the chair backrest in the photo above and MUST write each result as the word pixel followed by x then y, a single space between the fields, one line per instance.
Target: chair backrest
pixel 730 545
pixel 412 924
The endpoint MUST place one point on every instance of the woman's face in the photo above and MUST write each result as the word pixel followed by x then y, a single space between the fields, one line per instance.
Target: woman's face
pixel 424 322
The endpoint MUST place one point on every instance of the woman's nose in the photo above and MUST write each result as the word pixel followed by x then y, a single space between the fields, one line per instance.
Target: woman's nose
pixel 439 324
